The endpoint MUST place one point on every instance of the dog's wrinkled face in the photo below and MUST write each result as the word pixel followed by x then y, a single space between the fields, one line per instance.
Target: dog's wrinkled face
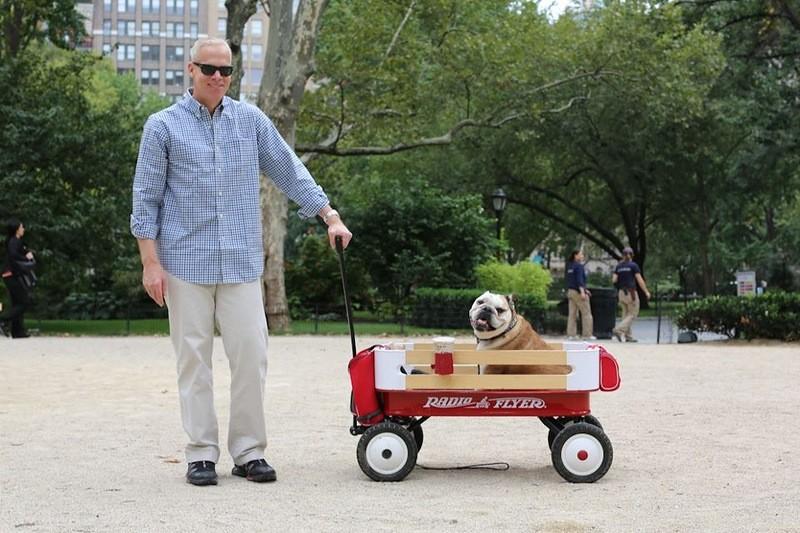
pixel 491 314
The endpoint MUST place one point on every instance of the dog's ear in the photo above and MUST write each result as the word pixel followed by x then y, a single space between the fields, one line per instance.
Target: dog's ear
pixel 510 299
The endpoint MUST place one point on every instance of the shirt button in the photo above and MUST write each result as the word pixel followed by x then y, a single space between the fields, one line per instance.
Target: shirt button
pixel 220 193
pixel 219 170
pixel 220 215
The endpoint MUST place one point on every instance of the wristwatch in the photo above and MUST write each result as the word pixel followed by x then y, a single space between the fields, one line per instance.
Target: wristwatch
pixel 330 214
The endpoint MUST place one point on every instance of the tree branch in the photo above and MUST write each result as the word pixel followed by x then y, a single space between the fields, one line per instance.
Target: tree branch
pixel 398 30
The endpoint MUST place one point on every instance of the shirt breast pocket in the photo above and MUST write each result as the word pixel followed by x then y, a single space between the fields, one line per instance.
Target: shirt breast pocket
pixel 245 155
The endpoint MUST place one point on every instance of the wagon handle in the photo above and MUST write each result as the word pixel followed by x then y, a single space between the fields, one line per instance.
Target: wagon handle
pixel 347 307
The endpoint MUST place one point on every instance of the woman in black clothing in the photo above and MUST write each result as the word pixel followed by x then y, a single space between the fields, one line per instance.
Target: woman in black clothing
pixel 15 253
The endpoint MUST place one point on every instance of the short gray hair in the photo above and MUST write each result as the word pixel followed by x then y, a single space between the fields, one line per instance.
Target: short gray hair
pixel 207 41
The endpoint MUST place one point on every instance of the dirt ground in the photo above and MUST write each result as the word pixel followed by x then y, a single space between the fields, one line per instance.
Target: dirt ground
pixel 704 435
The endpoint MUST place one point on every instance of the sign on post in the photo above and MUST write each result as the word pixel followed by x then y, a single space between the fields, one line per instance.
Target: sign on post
pixel 746 283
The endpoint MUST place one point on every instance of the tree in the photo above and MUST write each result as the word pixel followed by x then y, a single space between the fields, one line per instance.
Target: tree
pixel 26 21
pixel 416 75
pixel 75 201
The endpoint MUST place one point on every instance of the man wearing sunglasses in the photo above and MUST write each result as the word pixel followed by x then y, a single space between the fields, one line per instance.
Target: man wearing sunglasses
pixel 197 218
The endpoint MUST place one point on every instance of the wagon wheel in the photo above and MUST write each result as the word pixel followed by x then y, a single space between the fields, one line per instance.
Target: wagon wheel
pixel 418 436
pixel 582 453
pixel 387 452
pixel 591 419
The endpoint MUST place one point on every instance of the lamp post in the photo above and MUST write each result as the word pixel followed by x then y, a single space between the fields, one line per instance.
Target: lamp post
pixel 499 202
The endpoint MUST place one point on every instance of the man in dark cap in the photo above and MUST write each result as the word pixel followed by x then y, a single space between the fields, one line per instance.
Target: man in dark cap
pixel 626 276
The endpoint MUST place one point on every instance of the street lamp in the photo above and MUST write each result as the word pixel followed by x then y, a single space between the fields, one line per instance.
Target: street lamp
pixel 499 202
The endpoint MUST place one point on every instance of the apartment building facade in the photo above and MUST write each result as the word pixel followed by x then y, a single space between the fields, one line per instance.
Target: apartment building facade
pixel 151 39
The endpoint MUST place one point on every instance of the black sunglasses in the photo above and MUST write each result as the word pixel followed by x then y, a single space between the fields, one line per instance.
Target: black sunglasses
pixel 209 70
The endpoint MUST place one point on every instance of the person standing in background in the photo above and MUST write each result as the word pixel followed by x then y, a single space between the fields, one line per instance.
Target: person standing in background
pixel 16 255
pixel 625 278
pixel 578 298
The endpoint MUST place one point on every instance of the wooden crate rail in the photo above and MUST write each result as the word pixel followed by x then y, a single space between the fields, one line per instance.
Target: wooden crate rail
pixel 393 370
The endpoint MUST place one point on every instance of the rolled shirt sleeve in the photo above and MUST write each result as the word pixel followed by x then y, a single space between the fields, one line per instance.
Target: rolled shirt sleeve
pixel 149 180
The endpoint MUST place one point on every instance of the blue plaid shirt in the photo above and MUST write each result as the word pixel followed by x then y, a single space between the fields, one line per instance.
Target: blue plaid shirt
pixel 196 188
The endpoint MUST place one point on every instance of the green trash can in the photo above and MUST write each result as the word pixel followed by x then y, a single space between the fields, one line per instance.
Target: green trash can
pixel 604 311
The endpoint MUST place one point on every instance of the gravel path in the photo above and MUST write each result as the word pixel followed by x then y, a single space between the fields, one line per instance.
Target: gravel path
pixel 704 439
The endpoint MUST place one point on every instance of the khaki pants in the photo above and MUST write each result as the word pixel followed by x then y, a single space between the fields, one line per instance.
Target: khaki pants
pixel 576 304
pixel 238 312
pixel 630 310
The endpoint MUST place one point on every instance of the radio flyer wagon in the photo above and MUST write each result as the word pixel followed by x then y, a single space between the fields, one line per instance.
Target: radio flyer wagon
pixel 398 386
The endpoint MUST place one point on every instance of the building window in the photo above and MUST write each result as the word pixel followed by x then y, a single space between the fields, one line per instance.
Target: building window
pixel 194 7
pixel 175 29
pixel 150 28
pixel 174 77
pixel 150 52
pixel 106 48
pixel 221 23
pixel 221 4
pixel 106 6
pixel 124 71
pixel 193 31
pixel 257 51
pixel 126 27
pixel 124 6
pixel 151 6
pixel 256 27
pixel 244 51
pixel 126 52
pixel 150 77
pixel 174 53
pixel 106 26
pixel 174 7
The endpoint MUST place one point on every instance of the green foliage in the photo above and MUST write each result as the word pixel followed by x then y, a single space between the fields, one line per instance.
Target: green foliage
pixel 313 281
pixel 25 21
pixel 525 278
pixel 409 233
pixel 449 308
pixel 774 315
pixel 71 134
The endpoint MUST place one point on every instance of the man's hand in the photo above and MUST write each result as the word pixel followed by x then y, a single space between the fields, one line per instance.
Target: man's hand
pixel 155 282
pixel 338 229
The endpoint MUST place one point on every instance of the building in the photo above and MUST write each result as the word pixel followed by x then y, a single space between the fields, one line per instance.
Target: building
pixel 151 39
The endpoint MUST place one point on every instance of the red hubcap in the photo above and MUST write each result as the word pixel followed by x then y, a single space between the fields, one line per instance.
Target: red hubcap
pixel 583 455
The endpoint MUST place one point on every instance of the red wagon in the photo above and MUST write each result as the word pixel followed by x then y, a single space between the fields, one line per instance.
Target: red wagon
pixel 397 387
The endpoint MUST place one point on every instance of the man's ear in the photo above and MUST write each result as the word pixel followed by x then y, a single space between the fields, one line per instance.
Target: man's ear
pixel 510 300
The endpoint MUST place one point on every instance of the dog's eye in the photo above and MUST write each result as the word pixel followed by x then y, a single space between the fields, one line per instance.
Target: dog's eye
pixel 500 310
pixel 479 302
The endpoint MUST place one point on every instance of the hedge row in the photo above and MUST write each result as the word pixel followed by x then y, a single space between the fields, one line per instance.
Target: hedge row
pixel 449 308
pixel 774 315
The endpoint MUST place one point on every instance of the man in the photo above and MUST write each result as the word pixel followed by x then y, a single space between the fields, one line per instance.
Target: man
pixel 197 218
pixel 578 297
pixel 626 276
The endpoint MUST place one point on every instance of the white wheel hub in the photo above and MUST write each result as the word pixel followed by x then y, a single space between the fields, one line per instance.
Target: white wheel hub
pixel 582 454
pixel 387 453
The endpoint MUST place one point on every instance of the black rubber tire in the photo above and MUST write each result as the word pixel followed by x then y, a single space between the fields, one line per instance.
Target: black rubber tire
pixel 419 436
pixel 594 435
pixel 399 437
pixel 591 419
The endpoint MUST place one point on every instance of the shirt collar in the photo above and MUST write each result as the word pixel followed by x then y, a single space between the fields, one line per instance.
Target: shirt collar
pixel 197 108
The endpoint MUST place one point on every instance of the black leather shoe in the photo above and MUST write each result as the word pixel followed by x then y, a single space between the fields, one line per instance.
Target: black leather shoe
pixel 201 473
pixel 257 470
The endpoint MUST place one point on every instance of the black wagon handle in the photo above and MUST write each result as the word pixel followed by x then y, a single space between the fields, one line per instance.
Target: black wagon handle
pixel 347 306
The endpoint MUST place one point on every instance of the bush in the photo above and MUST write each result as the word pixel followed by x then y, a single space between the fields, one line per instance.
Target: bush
pixel 524 278
pixel 774 315
pixel 449 308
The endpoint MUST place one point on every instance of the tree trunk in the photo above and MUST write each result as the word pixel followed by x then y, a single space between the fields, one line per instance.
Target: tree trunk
pixel 239 12
pixel 287 67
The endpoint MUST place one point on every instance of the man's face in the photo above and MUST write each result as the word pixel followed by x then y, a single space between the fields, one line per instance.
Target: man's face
pixel 210 89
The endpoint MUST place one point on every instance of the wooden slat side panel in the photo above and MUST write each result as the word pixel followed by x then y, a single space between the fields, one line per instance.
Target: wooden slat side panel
pixel 486 382
pixel 494 357
pixel 457 369
pixel 428 346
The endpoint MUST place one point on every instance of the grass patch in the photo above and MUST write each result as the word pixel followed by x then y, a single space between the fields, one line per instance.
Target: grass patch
pixel 106 328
